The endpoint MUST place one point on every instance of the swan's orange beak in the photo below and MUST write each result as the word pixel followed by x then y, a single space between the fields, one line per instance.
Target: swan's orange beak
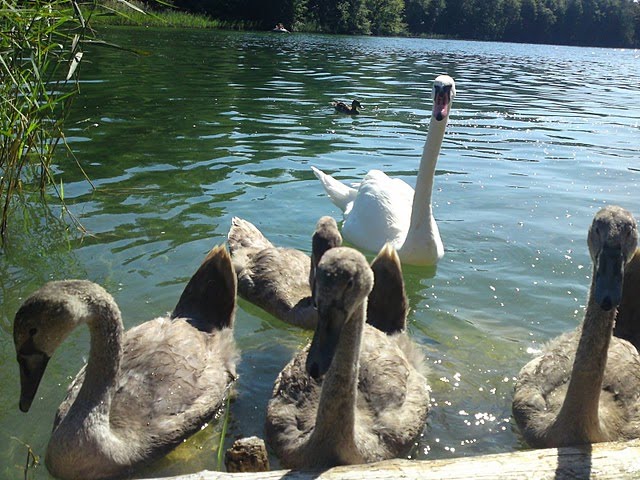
pixel 441 101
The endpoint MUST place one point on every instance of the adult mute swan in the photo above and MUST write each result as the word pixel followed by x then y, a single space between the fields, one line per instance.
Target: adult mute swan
pixel 384 210
pixel 585 388
pixel 280 280
pixel 142 392
pixel 356 394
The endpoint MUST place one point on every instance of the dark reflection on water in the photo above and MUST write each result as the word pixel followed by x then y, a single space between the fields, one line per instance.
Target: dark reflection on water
pixel 215 124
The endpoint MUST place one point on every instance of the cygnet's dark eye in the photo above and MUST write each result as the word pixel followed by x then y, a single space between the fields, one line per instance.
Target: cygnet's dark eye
pixel 630 231
pixel 350 284
pixel 33 331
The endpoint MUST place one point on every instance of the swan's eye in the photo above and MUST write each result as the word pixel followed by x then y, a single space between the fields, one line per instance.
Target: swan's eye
pixel 350 284
pixel 630 231
pixel 33 331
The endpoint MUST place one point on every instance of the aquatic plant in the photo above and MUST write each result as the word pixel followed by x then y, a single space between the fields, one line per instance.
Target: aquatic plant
pixel 161 14
pixel 40 51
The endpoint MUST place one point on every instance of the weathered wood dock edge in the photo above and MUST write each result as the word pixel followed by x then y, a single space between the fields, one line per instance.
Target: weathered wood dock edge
pixel 619 460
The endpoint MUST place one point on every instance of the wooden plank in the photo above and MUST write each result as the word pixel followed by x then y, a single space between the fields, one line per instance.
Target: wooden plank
pixel 619 460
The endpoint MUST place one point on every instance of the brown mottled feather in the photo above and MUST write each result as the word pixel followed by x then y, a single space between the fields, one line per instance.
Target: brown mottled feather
pixel 279 280
pixel 585 387
pixel 390 405
pixel 172 377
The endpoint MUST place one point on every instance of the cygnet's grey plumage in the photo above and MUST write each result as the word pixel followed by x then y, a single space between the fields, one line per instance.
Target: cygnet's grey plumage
pixel 628 319
pixel 142 392
pixel 387 306
pixel 354 395
pixel 325 236
pixel 585 387
pixel 277 279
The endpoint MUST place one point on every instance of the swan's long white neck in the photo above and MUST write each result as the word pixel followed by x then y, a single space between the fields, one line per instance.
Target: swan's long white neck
pixel 423 228
pixel 426 173
pixel 335 418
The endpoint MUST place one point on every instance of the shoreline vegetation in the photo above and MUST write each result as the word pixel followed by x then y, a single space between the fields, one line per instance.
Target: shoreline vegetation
pixel 41 51
pixel 116 13
pixel 589 23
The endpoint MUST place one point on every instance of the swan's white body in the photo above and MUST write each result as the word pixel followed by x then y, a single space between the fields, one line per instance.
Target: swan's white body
pixel 388 210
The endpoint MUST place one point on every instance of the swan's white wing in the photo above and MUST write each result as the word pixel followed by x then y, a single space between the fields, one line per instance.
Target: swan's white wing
pixel 381 212
pixel 339 193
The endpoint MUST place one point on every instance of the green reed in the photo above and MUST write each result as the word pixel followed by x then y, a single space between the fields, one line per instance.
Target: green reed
pixel 40 50
pixel 114 12
pixel 32 460
pixel 223 433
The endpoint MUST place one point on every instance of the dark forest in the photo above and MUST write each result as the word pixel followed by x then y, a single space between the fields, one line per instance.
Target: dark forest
pixel 607 23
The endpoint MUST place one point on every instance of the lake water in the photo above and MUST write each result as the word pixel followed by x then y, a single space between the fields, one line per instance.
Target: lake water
pixel 216 124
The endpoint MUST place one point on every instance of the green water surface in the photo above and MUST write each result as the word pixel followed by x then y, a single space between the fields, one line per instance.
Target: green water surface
pixel 215 124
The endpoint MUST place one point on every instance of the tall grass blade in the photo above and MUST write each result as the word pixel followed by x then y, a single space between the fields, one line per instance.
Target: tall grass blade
pixel 132 6
pixel 74 64
pixel 223 433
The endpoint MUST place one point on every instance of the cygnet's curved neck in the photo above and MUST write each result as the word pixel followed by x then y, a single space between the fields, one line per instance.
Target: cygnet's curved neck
pixel 86 426
pixel 421 212
pixel 335 419
pixel 106 332
pixel 579 412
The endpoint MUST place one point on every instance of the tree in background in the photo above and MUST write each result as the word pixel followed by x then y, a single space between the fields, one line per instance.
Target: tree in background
pixel 386 16
pixel 416 15
pixel 577 22
pixel 636 20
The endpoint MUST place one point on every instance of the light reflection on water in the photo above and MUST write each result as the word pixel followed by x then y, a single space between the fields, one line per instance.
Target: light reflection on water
pixel 215 125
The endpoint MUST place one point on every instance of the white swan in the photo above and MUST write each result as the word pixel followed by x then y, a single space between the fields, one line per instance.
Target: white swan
pixel 356 394
pixel 585 388
pixel 142 392
pixel 384 210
